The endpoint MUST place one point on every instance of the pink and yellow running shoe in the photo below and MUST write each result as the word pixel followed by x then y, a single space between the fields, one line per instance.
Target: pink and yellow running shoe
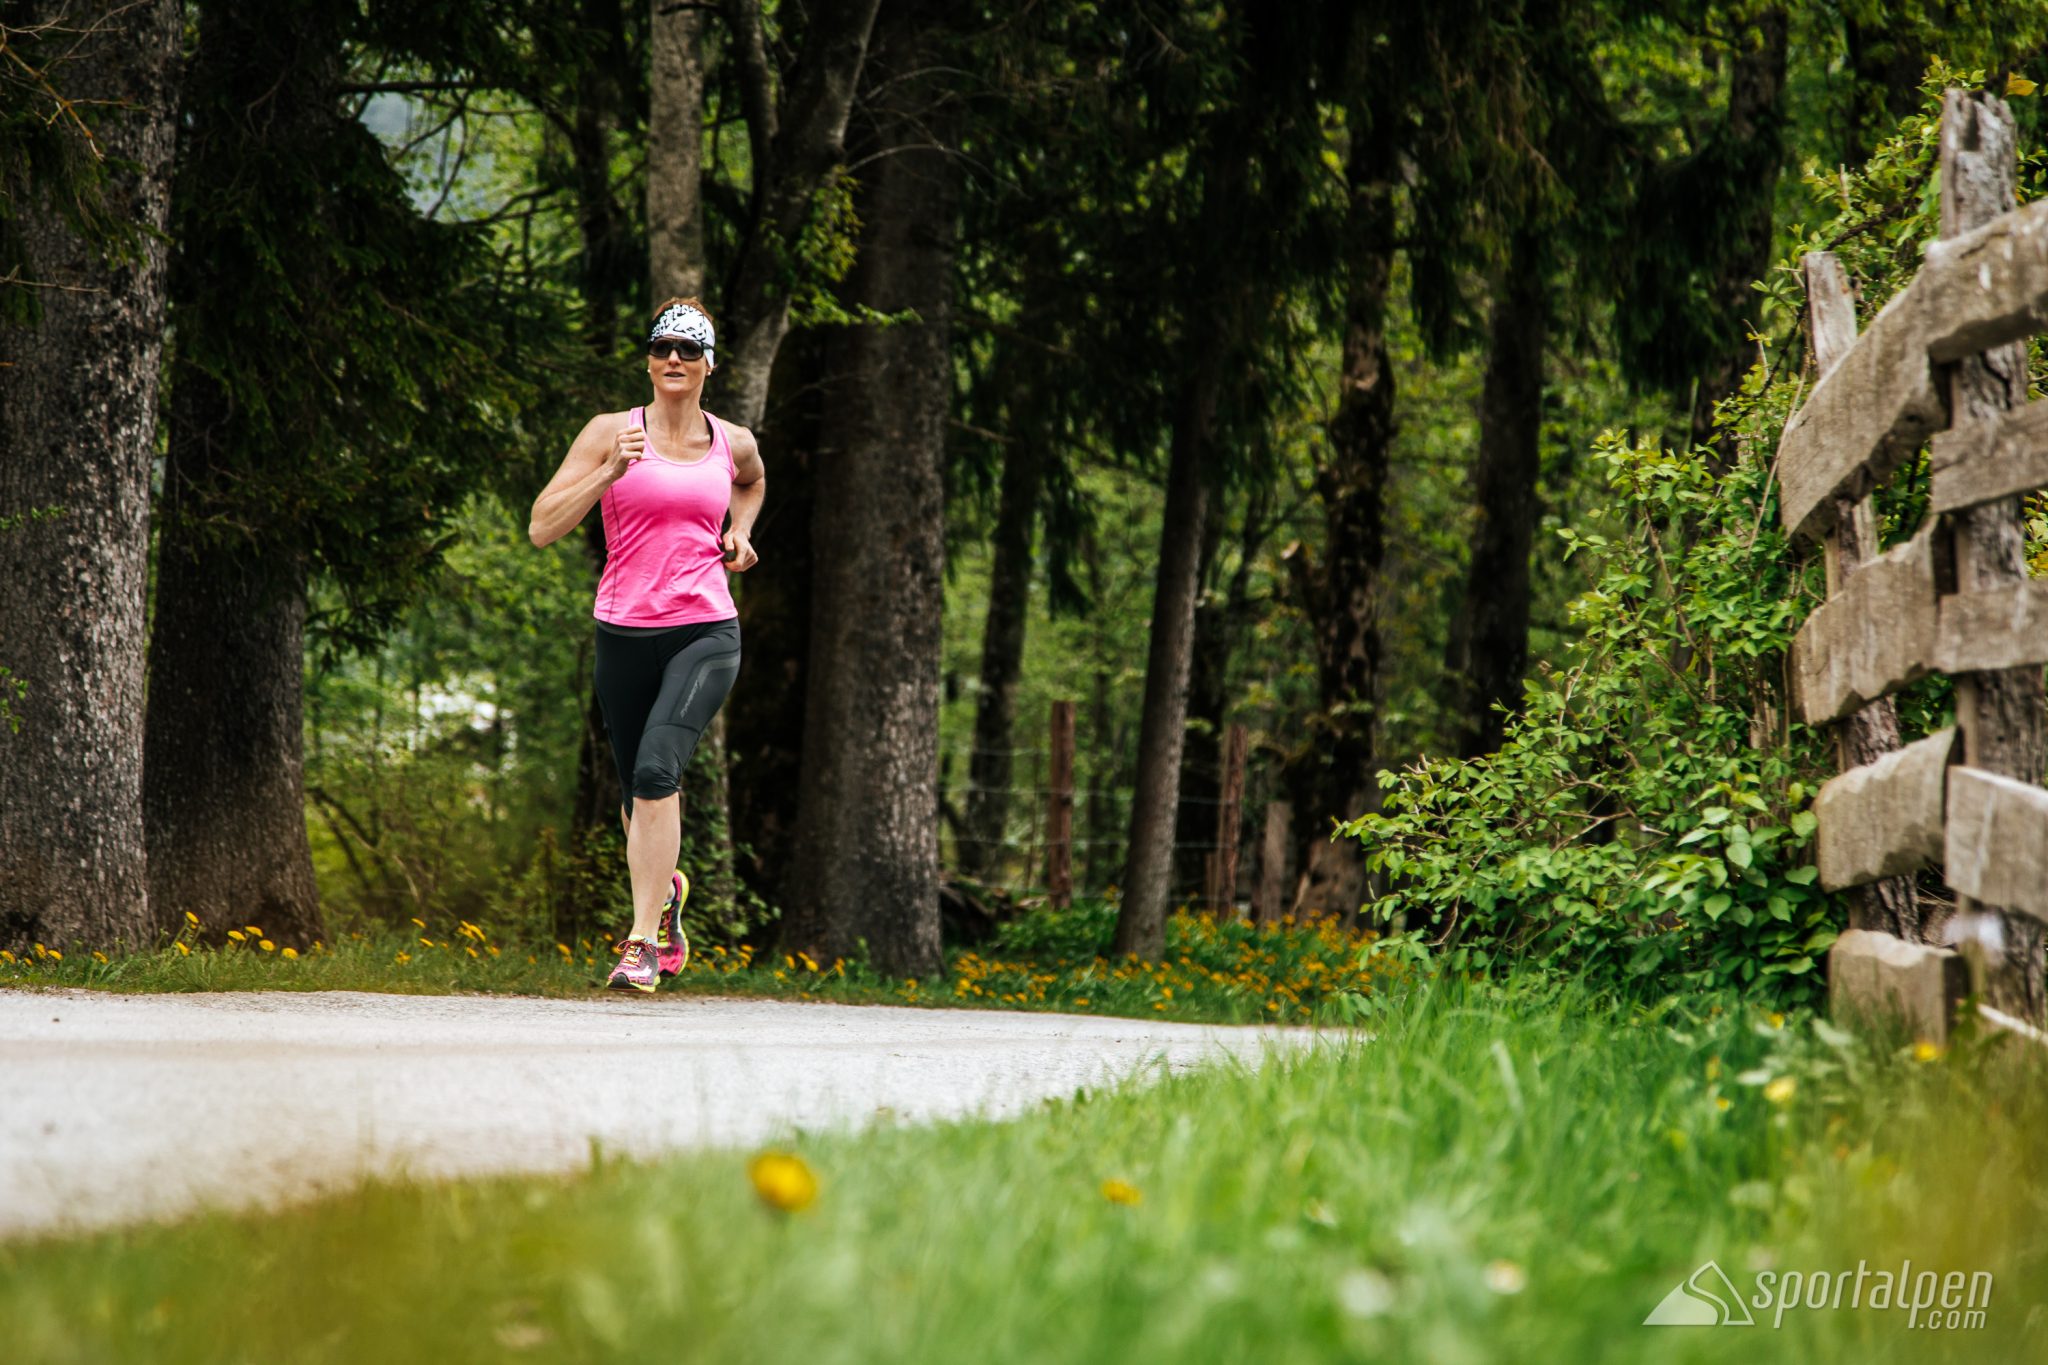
pixel 637 970
pixel 671 943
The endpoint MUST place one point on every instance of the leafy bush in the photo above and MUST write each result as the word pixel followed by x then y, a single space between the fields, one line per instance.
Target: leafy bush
pixel 1646 815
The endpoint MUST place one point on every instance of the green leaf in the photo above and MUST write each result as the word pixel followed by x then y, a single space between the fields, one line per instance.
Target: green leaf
pixel 1739 855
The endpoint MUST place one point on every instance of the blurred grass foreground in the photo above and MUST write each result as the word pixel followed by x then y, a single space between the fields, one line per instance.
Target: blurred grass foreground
pixel 1497 1172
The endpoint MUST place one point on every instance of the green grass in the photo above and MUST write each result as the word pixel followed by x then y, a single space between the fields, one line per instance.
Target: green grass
pixel 1217 972
pixel 1500 1175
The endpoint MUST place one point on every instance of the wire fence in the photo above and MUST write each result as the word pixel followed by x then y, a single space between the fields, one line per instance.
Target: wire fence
pixel 1010 845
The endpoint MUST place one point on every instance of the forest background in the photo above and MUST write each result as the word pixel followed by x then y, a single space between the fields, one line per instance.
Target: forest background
pixel 1337 370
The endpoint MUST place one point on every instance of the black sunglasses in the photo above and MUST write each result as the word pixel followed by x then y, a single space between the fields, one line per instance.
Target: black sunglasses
pixel 669 347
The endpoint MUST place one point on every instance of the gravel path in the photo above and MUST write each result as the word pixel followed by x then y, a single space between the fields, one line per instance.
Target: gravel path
pixel 115 1108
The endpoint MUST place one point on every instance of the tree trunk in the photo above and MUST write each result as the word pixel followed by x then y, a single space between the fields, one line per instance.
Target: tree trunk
pixel 1335 777
pixel 224 772
pixel 795 157
pixel 675 153
pixel 78 417
pixel 867 855
pixel 797 145
pixel 765 717
pixel 223 778
pixel 1002 652
pixel 675 266
pixel 1148 863
pixel 1756 87
pixel 1489 641
pixel 1201 763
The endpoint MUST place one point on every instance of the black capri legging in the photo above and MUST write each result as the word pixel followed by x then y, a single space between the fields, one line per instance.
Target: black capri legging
pixel 658 690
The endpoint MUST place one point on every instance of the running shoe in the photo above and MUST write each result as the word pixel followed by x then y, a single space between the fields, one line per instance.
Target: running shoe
pixel 672 945
pixel 636 970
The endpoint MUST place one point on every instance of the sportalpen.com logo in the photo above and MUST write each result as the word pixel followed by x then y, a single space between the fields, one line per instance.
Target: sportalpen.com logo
pixel 1931 1302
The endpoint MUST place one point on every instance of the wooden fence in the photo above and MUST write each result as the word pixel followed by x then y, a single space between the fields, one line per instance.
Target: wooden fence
pixel 1946 360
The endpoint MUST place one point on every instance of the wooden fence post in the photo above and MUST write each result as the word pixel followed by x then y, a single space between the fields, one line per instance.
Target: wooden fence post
pixel 1999 712
pixel 1887 906
pixel 1059 808
pixel 1222 864
pixel 1268 904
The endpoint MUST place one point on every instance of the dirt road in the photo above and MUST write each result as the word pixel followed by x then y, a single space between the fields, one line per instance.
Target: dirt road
pixel 119 1107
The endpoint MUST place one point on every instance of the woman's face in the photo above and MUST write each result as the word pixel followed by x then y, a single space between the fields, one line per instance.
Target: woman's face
pixel 671 372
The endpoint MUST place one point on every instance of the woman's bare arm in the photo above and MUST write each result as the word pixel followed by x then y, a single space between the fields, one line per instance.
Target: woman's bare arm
pixel 598 458
pixel 749 491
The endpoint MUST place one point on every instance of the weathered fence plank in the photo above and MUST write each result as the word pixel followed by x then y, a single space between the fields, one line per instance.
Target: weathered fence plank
pixel 1985 287
pixel 1977 290
pixel 1986 461
pixel 1997 842
pixel 1875 636
pixel 1885 818
pixel 1865 417
pixel 2004 627
pixel 1882 980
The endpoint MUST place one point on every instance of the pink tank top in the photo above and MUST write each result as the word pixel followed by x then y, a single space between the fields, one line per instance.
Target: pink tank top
pixel 664 565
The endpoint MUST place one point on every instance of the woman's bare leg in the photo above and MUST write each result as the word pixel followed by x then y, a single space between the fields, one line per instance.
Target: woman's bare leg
pixel 653 843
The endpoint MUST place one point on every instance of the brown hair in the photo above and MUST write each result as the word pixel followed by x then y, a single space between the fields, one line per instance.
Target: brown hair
pixel 691 302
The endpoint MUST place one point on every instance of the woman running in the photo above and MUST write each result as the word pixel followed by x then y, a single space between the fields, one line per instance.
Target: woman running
pixel 668 639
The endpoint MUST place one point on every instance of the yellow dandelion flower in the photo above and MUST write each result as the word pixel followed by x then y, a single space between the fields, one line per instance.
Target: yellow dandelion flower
pixel 1925 1051
pixel 1080 999
pixel 783 1180
pixel 426 943
pixel 470 951
pixel 1713 1068
pixel 238 936
pixel 183 951
pixel 403 958
pixel 290 954
pixel 563 949
pixel 1775 1019
pixel 254 931
pixel 191 918
pixel 98 956
pixel 56 956
pixel 1122 1192
pixel 6 956
pixel 1160 1006
pixel 1780 1091
pixel 420 922
pixel 1722 1103
pixel 266 945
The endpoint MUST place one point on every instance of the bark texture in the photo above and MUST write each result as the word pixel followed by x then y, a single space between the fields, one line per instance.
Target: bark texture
pixel 867 856
pixel 1148 861
pixel 1489 640
pixel 223 790
pixel 675 153
pixel 1334 777
pixel 78 416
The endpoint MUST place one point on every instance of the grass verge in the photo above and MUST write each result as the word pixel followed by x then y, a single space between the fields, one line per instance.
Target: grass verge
pixel 1501 1174
pixel 1214 971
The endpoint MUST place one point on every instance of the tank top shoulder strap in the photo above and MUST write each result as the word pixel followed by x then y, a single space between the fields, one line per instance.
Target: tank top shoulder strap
pixel 721 444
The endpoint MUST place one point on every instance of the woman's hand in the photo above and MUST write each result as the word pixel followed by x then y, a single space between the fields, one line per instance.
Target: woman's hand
pixel 739 551
pixel 627 448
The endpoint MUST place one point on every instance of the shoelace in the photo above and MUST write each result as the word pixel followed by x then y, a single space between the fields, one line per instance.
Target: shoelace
pixel 632 954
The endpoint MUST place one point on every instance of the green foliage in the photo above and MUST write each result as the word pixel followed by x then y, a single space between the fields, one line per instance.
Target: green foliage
pixel 1645 813
pixel 1645 817
pixel 1499 1174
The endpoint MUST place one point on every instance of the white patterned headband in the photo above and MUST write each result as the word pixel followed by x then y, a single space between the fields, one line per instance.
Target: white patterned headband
pixel 681 320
